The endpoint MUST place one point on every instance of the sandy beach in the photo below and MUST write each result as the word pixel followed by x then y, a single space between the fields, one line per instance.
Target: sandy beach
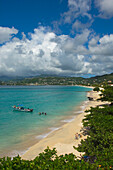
pixel 63 139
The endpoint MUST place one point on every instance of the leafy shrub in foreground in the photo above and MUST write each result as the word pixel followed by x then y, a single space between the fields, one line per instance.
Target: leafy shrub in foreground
pixel 99 142
pixel 47 160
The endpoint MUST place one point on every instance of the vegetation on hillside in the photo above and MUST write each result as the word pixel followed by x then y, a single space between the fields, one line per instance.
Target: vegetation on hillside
pixel 96 89
pixel 46 80
pixel 107 94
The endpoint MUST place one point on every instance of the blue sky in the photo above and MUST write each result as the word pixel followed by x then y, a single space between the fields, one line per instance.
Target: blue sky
pixel 62 37
pixel 25 15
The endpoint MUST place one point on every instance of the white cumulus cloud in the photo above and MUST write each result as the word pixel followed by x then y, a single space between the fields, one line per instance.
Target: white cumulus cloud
pixel 6 33
pixel 102 54
pixel 48 53
pixel 105 8
pixel 77 8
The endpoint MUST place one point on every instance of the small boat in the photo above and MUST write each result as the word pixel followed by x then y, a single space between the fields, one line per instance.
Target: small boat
pixel 21 109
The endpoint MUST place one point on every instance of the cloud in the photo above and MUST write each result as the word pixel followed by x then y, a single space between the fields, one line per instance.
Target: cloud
pixel 79 26
pixel 7 33
pixel 77 8
pixel 103 47
pixel 101 52
pixel 105 8
pixel 43 53
pixel 48 53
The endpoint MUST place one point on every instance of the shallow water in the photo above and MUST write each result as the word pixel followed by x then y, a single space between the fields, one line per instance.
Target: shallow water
pixel 19 130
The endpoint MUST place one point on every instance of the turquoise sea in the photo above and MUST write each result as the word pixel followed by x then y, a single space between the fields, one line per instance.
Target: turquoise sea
pixel 20 130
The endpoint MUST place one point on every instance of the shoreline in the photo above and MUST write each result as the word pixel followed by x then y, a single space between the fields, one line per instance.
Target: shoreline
pixel 30 139
pixel 77 111
pixel 63 139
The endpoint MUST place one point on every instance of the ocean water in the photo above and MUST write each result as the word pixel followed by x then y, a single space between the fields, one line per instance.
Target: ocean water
pixel 20 130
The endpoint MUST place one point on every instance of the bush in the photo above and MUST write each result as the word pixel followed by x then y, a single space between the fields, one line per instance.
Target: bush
pixel 99 142
pixel 47 160
pixel 96 89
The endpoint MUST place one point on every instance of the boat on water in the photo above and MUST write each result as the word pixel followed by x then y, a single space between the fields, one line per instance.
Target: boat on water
pixel 21 109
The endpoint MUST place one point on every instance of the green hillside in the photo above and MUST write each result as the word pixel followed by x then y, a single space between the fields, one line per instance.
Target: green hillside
pixel 50 80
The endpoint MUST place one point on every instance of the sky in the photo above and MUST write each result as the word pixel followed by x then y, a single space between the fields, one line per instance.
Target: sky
pixel 56 37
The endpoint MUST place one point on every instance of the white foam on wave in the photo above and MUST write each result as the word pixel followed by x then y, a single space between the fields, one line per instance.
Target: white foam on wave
pixel 82 108
pixel 54 128
pixel 46 134
pixel 68 120
pixel 20 153
pixel 84 105
pixel 81 111
pixel 42 136
pixel 85 102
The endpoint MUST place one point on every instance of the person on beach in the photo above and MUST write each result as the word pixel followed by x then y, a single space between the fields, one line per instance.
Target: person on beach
pixel 45 113
pixel 76 136
pixel 79 135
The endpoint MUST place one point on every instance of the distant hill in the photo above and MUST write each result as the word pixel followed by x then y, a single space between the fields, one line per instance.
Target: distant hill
pixel 104 78
pixel 56 80
pixel 8 78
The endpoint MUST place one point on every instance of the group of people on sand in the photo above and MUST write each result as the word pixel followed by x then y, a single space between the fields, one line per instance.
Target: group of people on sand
pixel 77 136
pixel 42 113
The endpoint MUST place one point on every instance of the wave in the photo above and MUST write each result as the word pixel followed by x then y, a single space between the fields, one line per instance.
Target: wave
pixel 46 134
pixel 16 153
pixel 68 120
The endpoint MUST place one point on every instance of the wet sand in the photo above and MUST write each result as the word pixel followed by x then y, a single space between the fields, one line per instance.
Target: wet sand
pixel 63 139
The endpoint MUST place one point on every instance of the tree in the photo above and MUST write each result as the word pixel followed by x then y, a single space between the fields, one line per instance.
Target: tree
pixel 107 94
pixel 96 89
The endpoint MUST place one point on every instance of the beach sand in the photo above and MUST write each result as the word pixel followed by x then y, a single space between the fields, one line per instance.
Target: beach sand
pixel 63 139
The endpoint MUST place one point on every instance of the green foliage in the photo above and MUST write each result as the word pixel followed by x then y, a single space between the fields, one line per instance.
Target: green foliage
pixel 54 80
pixel 47 160
pixel 107 94
pixel 99 142
pixel 96 89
